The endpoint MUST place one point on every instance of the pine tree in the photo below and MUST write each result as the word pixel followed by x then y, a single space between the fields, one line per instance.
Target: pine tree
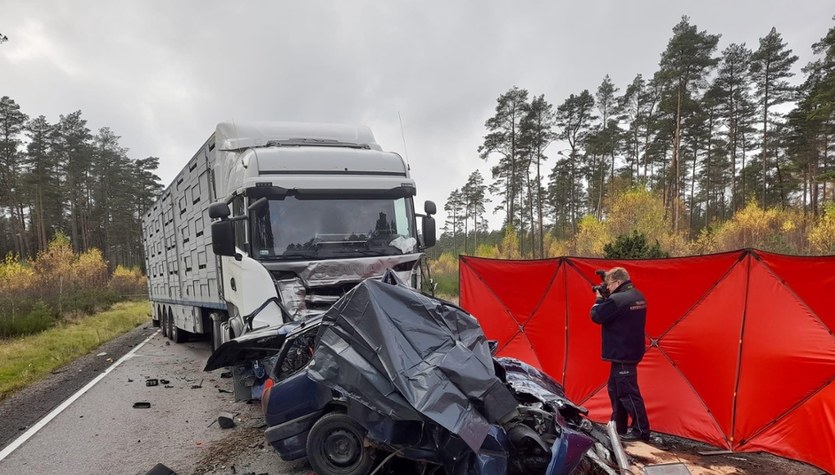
pixel 574 118
pixel 75 154
pixel 43 180
pixel 12 191
pixel 538 133
pixel 504 130
pixel 771 65
pixel 731 89
pixel 684 65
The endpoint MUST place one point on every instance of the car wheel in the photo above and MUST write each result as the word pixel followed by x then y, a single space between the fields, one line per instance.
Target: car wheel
pixel 336 445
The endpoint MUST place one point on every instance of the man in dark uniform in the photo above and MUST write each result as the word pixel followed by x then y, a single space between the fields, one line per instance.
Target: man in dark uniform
pixel 622 318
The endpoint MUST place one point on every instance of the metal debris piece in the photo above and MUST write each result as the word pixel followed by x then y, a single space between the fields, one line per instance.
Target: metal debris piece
pixel 160 469
pixel 716 452
pixel 675 468
pixel 620 455
pixel 226 420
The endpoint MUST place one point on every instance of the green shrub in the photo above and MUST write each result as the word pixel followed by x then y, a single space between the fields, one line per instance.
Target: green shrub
pixel 447 284
pixel 39 318
pixel 633 246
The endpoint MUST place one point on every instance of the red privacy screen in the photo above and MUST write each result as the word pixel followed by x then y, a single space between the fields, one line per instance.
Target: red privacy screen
pixel 740 350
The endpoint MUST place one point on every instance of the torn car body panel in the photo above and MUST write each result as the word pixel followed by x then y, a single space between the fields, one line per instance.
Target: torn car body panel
pixel 309 288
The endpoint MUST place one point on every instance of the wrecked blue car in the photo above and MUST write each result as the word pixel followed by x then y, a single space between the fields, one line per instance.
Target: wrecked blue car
pixel 393 380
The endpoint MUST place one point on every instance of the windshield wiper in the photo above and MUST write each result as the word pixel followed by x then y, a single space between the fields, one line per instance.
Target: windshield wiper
pixel 293 254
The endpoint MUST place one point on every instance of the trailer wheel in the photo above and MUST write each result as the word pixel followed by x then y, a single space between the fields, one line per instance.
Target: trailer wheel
pixel 177 335
pixel 170 324
pixel 336 445
pixel 163 323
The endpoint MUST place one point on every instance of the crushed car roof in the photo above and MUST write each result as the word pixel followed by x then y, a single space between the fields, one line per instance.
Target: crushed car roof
pixel 408 356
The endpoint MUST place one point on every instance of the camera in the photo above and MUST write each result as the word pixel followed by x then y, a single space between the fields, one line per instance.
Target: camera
pixel 602 288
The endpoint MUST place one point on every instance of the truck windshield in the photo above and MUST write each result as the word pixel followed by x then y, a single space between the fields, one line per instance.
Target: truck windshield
pixel 293 228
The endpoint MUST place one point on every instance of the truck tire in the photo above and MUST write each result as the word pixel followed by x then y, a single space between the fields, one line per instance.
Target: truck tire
pixel 170 324
pixel 163 323
pixel 177 335
pixel 336 445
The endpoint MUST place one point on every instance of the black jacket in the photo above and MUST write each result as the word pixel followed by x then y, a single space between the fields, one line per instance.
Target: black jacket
pixel 622 318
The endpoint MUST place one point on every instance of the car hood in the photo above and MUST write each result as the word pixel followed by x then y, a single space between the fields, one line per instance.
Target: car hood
pixel 251 346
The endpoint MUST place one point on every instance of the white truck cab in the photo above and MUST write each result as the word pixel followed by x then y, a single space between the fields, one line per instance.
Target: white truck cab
pixel 301 214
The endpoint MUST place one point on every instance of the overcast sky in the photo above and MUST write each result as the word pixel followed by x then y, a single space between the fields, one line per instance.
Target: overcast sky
pixel 161 74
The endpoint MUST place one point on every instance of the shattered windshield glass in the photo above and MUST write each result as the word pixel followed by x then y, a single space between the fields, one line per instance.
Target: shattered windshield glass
pixel 294 228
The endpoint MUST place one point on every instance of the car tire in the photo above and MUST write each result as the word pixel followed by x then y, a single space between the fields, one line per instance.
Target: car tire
pixel 336 446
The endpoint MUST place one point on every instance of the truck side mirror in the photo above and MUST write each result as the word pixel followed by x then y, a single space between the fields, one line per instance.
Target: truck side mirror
pixel 429 208
pixel 219 210
pixel 223 237
pixel 428 225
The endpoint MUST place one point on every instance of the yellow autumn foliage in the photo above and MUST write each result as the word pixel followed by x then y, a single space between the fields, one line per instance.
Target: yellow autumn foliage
pixel 509 248
pixel 446 264
pixel 486 250
pixel 128 281
pixel 556 247
pixel 773 229
pixel 592 235
pixel 822 234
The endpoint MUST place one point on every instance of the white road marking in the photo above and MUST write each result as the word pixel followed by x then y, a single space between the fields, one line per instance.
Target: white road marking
pixel 41 423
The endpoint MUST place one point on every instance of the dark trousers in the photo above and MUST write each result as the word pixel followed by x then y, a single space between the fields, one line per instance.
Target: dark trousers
pixel 626 399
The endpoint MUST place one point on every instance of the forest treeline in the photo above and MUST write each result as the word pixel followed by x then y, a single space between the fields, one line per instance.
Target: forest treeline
pixel 61 178
pixel 709 135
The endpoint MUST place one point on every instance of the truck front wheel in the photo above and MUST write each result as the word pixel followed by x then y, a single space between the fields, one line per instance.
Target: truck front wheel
pixel 336 445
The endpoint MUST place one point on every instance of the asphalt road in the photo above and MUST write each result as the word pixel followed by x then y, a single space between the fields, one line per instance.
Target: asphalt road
pixel 101 432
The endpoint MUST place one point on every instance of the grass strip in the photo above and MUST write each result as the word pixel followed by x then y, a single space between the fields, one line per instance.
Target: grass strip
pixel 27 359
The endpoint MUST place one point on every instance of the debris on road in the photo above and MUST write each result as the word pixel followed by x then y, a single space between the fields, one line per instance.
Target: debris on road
pixel 141 405
pixel 226 420
pixel 160 469
pixel 151 382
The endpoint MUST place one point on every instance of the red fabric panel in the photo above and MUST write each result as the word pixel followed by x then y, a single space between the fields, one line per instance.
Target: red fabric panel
pixel 804 434
pixel 749 321
pixel 671 286
pixel 787 354
pixel 585 370
pixel 673 405
pixel 481 301
pixel 806 276
pixel 704 345
pixel 520 285
pixel 519 347
pixel 546 329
